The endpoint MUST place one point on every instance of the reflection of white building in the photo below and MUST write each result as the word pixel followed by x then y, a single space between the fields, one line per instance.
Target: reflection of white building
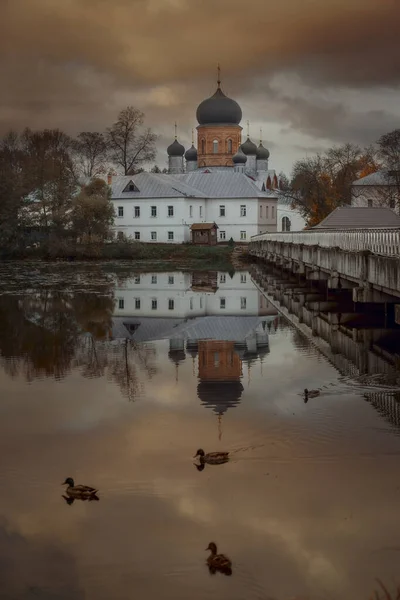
pixel 172 295
pixel 156 306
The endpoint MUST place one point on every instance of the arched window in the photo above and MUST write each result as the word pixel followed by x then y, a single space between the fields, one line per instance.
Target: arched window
pixel 203 146
pixel 215 146
pixel 285 224
pixel 269 183
pixel 229 146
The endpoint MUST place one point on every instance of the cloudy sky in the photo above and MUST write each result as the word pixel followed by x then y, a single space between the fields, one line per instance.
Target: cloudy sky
pixel 311 73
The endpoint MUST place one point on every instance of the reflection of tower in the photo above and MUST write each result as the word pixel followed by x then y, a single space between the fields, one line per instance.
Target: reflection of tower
pixel 176 353
pixel 220 370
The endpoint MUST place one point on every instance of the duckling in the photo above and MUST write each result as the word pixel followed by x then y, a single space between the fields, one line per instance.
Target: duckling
pixel 81 492
pixel 218 562
pixel 212 458
pixel 311 393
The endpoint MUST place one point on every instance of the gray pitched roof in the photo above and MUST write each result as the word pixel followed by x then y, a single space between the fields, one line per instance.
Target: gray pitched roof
pixel 235 329
pixel 355 217
pixel 222 184
pixel 217 184
pixel 152 185
pixel 379 178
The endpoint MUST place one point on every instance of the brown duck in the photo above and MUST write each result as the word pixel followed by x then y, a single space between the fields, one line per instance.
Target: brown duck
pixel 79 492
pixel 212 458
pixel 218 562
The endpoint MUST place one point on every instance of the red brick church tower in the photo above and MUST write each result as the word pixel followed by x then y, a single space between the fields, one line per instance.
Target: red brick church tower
pixel 219 134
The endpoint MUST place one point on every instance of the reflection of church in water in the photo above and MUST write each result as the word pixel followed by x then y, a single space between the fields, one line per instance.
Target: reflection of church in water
pixel 218 319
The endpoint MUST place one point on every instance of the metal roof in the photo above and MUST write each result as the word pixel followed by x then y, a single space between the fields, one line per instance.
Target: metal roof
pixel 355 217
pixel 216 184
pixel 222 184
pixel 378 178
pixel 152 185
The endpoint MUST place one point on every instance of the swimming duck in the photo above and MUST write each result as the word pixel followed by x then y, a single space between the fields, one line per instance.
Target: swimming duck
pixel 81 492
pixel 212 458
pixel 311 393
pixel 218 562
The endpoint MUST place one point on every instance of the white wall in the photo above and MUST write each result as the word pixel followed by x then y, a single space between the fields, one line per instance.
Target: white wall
pixel 187 303
pixel 179 223
pixel 233 223
pixel 297 222
pixel 375 196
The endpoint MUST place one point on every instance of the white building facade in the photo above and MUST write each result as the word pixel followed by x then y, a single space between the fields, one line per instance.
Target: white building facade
pixel 158 208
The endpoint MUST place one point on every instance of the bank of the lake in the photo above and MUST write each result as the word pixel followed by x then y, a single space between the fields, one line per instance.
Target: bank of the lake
pixel 144 256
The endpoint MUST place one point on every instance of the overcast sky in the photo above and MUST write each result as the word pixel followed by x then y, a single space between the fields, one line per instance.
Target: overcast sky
pixel 311 73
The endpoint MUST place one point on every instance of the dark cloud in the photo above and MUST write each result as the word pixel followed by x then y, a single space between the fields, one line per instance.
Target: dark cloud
pixel 75 64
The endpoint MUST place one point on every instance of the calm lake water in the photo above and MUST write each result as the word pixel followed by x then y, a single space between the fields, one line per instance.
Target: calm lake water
pixel 116 379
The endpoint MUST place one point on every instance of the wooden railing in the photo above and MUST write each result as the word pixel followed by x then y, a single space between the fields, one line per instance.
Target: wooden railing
pixel 385 241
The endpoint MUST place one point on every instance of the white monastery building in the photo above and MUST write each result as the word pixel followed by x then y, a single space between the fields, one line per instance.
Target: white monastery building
pixel 224 188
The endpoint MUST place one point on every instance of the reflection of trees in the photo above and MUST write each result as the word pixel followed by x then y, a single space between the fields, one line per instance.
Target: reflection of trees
pixel 47 334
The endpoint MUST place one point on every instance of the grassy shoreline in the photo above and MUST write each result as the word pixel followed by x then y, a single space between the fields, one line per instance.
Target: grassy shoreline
pixel 141 255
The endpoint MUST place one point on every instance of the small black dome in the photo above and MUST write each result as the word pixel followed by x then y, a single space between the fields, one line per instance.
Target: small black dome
pixel 175 149
pixel 262 153
pixel 249 147
pixel 191 154
pixel 239 158
pixel 219 109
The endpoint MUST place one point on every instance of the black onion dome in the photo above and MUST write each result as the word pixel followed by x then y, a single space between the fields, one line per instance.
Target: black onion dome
pixel 220 395
pixel 239 158
pixel 219 109
pixel 249 147
pixel 191 154
pixel 175 149
pixel 262 153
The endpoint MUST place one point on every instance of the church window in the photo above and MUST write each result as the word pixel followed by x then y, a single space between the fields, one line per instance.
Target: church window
pixel 190 211
pixel 230 146
pixel 203 146
pixel 269 183
pixel 222 210
pixel 285 224
pixel 215 146
pixel 260 210
pixel 272 212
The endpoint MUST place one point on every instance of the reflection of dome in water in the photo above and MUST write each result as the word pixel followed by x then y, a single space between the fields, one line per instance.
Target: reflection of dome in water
pixel 220 395
pixel 176 356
